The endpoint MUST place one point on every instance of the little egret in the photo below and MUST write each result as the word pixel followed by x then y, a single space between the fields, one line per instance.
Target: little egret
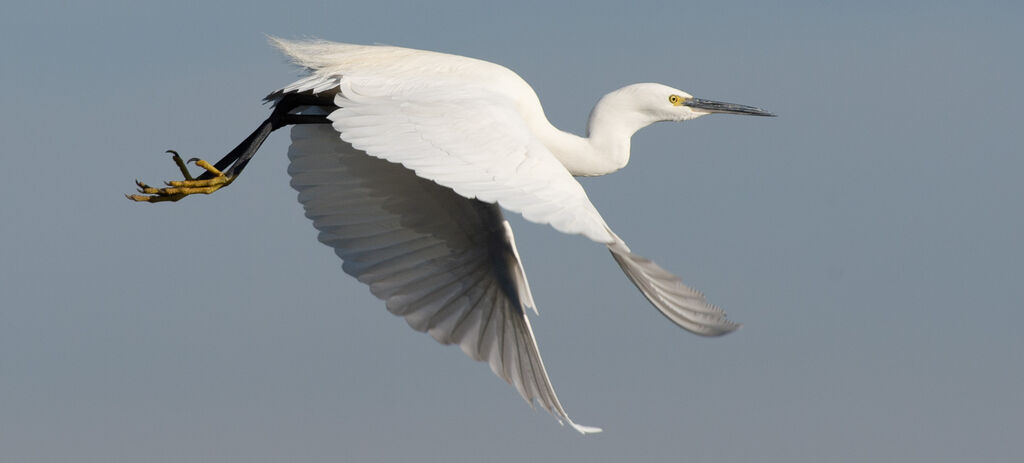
pixel 403 160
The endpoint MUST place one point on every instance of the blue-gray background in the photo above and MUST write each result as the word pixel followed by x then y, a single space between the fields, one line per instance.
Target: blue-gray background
pixel 868 238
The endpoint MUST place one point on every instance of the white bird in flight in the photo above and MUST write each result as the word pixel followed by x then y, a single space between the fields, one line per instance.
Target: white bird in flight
pixel 403 160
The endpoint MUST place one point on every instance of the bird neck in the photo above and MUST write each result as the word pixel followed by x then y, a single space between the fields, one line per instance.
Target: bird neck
pixel 585 157
pixel 604 150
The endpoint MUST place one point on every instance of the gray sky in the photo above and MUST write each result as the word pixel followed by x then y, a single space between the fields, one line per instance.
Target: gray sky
pixel 868 239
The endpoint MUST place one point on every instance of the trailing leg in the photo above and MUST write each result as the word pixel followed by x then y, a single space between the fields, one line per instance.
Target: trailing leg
pixel 227 169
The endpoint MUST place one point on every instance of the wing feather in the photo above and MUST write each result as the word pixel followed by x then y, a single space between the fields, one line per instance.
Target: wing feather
pixel 681 304
pixel 444 262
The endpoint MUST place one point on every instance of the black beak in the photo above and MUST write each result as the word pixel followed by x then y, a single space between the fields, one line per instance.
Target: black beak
pixel 727 108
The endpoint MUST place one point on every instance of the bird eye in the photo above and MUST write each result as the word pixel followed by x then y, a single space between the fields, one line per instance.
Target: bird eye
pixel 675 99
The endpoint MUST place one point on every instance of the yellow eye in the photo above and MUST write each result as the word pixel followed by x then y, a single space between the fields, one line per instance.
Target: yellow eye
pixel 675 100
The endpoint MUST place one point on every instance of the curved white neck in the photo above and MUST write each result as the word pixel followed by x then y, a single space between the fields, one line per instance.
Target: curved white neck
pixel 606 147
pixel 591 156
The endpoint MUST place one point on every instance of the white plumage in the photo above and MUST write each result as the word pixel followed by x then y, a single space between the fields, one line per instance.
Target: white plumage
pixel 406 184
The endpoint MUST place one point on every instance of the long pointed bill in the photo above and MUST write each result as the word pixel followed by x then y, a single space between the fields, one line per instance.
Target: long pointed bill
pixel 727 108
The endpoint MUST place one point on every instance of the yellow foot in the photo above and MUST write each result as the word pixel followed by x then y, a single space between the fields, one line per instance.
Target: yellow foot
pixel 176 190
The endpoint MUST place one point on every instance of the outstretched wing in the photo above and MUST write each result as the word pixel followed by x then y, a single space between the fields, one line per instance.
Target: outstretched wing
pixel 681 304
pixel 445 263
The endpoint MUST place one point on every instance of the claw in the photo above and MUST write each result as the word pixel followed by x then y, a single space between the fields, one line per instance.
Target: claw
pixel 181 164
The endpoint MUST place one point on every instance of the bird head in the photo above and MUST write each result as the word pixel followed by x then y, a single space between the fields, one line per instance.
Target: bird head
pixel 639 105
pixel 664 103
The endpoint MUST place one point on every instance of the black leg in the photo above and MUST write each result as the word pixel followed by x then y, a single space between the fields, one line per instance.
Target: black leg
pixel 281 117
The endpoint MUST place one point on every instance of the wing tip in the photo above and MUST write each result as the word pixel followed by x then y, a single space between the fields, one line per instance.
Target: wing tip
pixel 724 328
pixel 684 306
pixel 585 429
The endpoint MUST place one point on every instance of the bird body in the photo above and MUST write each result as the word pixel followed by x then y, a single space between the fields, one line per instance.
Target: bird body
pixel 403 160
